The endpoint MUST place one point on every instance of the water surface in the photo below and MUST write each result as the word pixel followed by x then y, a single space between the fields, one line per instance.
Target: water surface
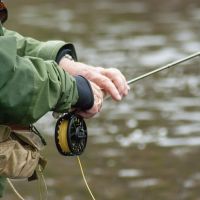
pixel 146 147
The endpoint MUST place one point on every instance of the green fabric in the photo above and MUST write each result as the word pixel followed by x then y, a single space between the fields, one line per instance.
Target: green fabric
pixel 31 82
pixel 27 46
pixel 2 185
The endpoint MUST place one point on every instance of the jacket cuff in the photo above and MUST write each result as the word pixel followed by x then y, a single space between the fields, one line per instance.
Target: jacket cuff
pixel 85 93
pixel 66 49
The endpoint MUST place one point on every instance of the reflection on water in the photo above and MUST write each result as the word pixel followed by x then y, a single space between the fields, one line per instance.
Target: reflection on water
pixel 129 173
pixel 146 147
pixel 144 183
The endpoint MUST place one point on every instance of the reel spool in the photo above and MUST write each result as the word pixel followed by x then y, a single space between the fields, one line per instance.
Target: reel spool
pixel 71 134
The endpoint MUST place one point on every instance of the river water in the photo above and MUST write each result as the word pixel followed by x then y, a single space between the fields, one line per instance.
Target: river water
pixel 147 146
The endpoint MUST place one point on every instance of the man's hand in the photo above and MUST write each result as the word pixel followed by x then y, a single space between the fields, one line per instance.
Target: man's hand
pixel 110 80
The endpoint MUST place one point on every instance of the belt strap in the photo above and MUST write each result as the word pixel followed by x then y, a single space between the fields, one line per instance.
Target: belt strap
pixel 18 127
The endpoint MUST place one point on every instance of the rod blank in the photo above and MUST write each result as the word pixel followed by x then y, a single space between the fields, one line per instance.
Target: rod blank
pixel 163 68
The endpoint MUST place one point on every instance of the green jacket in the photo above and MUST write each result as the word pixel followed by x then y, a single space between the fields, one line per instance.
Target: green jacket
pixel 31 82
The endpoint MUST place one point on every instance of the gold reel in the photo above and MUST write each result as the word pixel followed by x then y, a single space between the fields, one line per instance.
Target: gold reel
pixel 70 134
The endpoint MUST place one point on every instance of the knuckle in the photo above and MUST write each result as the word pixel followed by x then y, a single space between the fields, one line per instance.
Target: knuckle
pixel 114 70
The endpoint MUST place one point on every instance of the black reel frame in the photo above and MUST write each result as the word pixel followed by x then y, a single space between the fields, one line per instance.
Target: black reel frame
pixel 76 134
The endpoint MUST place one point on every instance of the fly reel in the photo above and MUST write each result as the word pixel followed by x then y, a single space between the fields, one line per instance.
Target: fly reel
pixel 70 134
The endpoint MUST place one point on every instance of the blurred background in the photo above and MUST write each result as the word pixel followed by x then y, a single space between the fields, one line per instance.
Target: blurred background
pixel 146 147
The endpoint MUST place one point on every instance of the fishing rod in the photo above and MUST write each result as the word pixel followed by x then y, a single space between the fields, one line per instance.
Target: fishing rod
pixel 71 130
pixel 173 64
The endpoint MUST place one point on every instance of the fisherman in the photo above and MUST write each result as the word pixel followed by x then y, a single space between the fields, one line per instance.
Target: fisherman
pixel 37 77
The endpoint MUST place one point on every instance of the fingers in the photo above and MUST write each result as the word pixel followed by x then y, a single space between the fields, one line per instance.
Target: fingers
pixel 98 101
pixel 107 86
pixel 118 79
pixel 116 84
pixel 110 80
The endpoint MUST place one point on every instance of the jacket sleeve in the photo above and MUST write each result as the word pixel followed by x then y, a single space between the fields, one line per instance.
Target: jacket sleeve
pixel 30 86
pixel 27 46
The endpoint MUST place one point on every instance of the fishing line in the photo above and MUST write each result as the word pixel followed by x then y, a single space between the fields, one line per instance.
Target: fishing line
pixel 41 181
pixel 14 189
pixel 83 175
pixel 42 186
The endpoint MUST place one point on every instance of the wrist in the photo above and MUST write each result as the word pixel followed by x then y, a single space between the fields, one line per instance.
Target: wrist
pixel 67 64
pixel 66 59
